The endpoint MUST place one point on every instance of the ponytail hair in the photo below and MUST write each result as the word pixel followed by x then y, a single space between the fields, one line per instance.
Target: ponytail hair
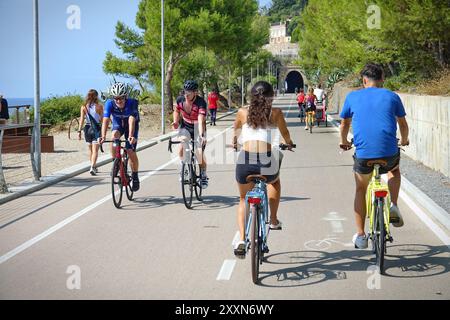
pixel 91 97
pixel 260 105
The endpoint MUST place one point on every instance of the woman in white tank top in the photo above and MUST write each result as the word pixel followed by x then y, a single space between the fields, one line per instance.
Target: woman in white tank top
pixel 257 127
pixel 92 110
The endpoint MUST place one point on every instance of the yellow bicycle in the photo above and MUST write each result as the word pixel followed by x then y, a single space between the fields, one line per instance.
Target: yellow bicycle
pixel 378 202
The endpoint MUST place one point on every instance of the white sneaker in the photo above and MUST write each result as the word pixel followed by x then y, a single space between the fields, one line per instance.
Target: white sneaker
pixel 395 217
pixel 278 226
pixel 360 242
pixel 92 171
pixel 306 128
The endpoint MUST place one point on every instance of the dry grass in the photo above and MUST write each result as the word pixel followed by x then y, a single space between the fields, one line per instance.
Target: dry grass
pixel 438 86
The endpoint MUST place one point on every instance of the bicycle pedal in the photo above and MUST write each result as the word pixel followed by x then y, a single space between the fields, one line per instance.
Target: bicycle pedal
pixel 265 250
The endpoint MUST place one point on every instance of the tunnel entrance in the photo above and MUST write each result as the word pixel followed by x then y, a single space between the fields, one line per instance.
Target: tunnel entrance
pixel 294 80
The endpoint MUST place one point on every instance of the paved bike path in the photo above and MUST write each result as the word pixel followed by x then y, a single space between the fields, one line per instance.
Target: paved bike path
pixel 154 248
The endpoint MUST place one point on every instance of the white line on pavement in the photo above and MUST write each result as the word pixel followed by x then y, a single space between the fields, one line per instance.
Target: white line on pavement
pixel 72 218
pixel 236 238
pixel 226 270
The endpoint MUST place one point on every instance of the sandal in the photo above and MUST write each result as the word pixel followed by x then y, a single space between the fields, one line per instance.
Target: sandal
pixel 239 249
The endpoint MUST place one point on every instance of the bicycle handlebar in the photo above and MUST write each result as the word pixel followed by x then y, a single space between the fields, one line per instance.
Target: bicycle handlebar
pixel 109 141
pixel 346 147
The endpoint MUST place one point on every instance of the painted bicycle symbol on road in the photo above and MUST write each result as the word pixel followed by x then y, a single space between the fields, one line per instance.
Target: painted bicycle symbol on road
pixel 325 244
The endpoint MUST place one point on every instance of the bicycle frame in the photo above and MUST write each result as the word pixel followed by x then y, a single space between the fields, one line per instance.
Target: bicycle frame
pixel 258 197
pixel 375 190
pixel 122 156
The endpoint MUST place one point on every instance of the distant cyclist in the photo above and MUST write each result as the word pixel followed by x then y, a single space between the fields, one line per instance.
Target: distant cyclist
pixel 319 93
pixel 301 104
pixel 310 103
pixel 374 113
pixel 125 121
pixel 193 119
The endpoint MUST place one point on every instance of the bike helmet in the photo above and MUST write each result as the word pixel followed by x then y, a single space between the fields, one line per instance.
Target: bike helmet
pixel 118 89
pixel 190 85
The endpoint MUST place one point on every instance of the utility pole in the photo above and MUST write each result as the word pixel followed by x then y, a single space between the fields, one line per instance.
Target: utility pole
pixel 163 131
pixel 37 102
pixel 242 90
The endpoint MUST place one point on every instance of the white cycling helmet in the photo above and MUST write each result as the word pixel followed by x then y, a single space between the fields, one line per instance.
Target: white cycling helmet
pixel 118 89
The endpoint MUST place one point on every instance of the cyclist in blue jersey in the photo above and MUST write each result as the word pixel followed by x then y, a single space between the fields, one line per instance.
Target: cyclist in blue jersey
pixel 374 113
pixel 124 113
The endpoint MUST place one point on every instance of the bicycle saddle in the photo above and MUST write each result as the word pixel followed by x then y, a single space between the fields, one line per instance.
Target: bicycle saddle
pixel 381 162
pixel 254 177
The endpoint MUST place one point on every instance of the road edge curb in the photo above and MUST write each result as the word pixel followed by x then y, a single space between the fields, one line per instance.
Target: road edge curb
pixel 67 173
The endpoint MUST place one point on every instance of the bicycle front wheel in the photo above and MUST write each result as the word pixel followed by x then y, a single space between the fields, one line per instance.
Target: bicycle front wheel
pixel 187 184
pixel 255 243
pixel 197 183
pixel 128 189
pixel 380 244
pixel 116 184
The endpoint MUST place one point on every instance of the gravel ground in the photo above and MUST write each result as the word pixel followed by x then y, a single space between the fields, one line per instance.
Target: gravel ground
pixel 432 183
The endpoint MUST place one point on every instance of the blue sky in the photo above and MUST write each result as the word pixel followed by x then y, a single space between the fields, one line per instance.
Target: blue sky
pixel 263 3
pixel 70 60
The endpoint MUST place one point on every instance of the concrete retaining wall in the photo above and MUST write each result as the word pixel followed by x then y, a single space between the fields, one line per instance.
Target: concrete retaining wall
pixel 429 126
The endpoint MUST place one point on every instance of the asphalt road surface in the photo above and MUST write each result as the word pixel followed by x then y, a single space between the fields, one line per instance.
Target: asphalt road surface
pixel 68 241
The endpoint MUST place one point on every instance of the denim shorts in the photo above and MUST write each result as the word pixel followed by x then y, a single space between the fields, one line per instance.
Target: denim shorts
pixel 360 165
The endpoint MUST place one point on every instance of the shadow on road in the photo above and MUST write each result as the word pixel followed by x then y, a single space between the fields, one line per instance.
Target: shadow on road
pixel 302 268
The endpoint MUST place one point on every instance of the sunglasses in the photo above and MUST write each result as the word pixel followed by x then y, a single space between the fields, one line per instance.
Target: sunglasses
pixel 119 98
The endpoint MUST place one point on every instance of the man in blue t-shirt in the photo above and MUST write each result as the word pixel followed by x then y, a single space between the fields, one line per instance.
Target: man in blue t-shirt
pixel 374 113
pixel 125 121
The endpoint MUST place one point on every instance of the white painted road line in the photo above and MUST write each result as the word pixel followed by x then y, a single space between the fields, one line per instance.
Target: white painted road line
pixel 236 238
pixel 226 270
pixel 72 218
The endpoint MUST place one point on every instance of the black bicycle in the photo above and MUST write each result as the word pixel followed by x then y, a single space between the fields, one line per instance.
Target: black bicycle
pixel 190 173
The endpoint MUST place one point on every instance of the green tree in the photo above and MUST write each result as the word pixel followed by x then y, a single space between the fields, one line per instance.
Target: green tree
pixel 189 24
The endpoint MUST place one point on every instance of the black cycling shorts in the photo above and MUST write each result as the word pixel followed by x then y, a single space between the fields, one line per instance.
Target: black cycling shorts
pixel 265 164
pixel 360 165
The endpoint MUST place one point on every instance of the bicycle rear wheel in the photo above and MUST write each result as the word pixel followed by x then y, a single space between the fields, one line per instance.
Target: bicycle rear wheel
pixel 116 184
pixel 197 182
pixel 128 189
pixel 187 184
pixel 380 245
pixel 255 243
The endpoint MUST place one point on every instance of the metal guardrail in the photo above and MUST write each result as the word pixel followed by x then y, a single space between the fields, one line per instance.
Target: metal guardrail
pixel 26 113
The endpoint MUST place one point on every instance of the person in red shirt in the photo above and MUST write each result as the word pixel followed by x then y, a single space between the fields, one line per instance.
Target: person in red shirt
pixel 301 105
pixel 213 97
